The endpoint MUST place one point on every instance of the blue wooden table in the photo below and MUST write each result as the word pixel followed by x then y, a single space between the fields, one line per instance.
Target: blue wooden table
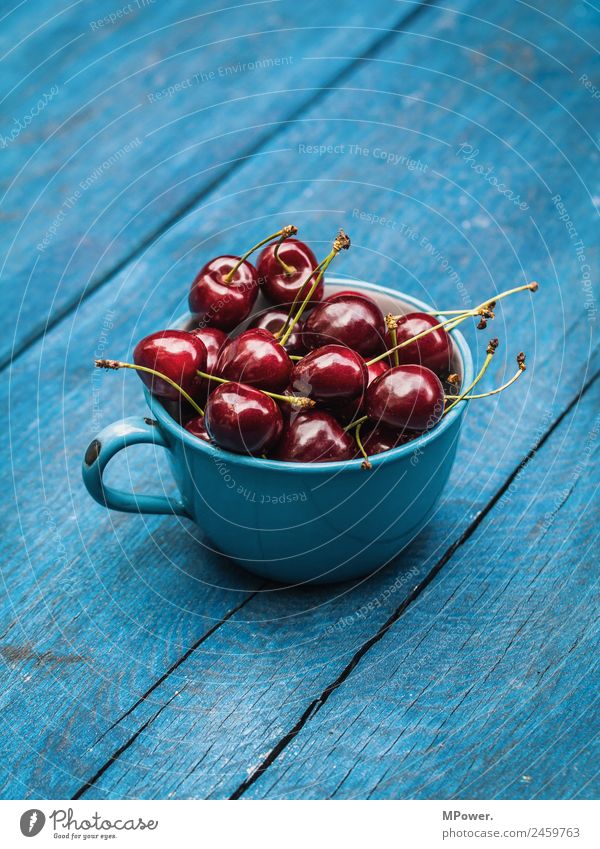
pixel 458 145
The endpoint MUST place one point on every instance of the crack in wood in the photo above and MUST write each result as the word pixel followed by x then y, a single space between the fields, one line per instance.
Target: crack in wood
pixel 90 782
pixel 318 703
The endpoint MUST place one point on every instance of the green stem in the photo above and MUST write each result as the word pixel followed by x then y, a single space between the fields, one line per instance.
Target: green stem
pixel 117 364
pixel 491 350
pixel 295 400
pixel 355 423
pixel 412 339
pixel 341 242
pixel 521 369
pixel 288 230
pixel 288 270
pixel 451 323
pixel 283 329
pixel 365 463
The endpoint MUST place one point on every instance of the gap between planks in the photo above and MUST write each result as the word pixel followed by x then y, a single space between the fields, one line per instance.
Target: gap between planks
pixel 181 211
pixel 316 704
pixel 117 754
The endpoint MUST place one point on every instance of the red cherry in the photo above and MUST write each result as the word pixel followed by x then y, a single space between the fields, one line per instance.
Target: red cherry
pixel 257 359
pixel 352 320
pixel 314 437
pixel 433 351
pixel 215 301
pixel 379 438
pixel 376 369
pixel 273 320
pixel 347 411
pixel 409 396
pixel 330 373
pixel 214 340
pixel 176 354
pixel 197 427
pixel 281 286
pixel 344 293
pixel 243 419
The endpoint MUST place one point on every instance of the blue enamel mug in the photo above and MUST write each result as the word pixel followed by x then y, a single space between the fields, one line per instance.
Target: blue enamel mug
pixel 294 522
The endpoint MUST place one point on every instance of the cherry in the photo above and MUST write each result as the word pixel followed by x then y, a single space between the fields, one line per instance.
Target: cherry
pixel 352 320
pixel 331 373
pixel 374 370
pixel 347 411
pixel 225 289
pixel 378 438
pixel 257 359
pixel 314 437
pixel 433 350
pixel 180 410
pixel 220 303
pixel 243 419
pixel 178 355
pixel 273 320
pixel 408 396
pixel 283 271
pixel 344 293
pixel 214 340
pixel 197 427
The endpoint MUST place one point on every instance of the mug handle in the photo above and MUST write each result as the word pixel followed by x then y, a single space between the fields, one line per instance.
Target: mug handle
pixel 115 437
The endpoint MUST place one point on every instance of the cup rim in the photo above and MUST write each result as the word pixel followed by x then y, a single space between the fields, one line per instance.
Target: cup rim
pixel 215 452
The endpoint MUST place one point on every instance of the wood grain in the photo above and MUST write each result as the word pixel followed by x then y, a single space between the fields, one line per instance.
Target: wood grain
pixel 145 114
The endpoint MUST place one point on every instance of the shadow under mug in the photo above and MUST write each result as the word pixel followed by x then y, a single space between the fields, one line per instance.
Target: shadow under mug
pixel 294 522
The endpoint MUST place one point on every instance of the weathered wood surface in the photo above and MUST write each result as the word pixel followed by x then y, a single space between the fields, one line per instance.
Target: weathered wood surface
pixel 161 685
pixel 142 116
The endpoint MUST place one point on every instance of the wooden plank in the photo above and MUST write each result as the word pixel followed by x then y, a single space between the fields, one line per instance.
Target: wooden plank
pixel 486 687
pixel 140 116
pixel 248 685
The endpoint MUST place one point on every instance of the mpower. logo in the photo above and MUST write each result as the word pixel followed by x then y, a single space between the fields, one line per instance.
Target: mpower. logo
pixel 32 822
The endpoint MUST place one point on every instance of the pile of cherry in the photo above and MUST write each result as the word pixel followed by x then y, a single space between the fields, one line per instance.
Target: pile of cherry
pixel 313 379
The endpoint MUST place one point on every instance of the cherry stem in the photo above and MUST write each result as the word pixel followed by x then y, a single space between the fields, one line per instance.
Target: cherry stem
pixel 410 341
pixel 491 350
pixel 295 357
pixel 484 310
pixel 284 233
pixel 392 326
pixel 294 400
pixel 355 423
pixel 521 369
pixel 283 329
pixel 489 304
pixel 288 270
pixel 341 242
pixel 117 364
pixel 366 465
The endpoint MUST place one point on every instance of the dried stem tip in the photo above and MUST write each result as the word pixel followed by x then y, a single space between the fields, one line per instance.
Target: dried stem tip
pixel 491 348
pixel 453 379
pixel 534 286
pixel 521 361
pixel 302 402
pixel 341 242
pixel 288 230
pixel 391 322
pixel 114 364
